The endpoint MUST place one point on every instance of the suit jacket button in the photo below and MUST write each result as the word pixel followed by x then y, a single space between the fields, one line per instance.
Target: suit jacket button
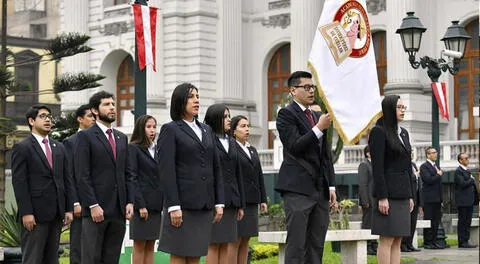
pixel 203 164
pixel 204 178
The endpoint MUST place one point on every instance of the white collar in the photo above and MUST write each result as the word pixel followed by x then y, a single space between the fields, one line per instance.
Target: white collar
pixel 302 106
pixel 40 138
pixel 103 127
pixel 463 166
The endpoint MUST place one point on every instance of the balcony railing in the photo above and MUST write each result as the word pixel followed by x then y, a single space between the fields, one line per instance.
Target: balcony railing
pixel 351 156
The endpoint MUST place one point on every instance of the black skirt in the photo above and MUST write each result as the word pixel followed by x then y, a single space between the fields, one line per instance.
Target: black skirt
pixel 396 223
pixel 192 238
pixel 248 226
pixel 225 231
pixel 141 229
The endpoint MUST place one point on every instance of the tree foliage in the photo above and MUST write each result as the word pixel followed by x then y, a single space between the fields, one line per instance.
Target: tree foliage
pixel 68 44
pixel 64 126
pixel 75 82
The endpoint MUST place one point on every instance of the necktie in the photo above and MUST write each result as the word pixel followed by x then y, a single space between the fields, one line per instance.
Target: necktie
pixel 112 143
pixel 48 152
pixel 309 115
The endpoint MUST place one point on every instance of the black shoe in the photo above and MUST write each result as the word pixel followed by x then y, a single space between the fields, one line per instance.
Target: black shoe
pixel 413 249
pixel 404 248
pixel 430 246
pixel 467 245
pixel 440 246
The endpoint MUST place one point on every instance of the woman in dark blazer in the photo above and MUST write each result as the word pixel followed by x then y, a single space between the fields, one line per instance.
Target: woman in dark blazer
pixel 254 186
pixel 392 180
pixel 222 247
pixel 190 176
pixel 142 167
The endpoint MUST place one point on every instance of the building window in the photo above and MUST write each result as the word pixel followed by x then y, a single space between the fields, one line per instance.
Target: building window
pixel 125 88
pixel 467 87
pixel 278 72
pixel 120 2
pixel 38 30
pixel 380 48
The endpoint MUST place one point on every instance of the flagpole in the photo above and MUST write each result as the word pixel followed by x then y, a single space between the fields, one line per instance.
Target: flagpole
pixel 140 81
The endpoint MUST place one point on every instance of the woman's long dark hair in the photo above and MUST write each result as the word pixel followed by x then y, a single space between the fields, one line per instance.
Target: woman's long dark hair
pixel 214 118
pixel 179 100
pixel 389 121
pixel 138 135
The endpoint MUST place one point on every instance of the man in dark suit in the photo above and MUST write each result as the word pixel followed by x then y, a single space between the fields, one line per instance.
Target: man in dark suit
pixel 85 119
pixel 101 156
pixel 431 176
pixel 407 242
pixel 42 187
pixel 365 195
pixel 466 197
pixel 306 178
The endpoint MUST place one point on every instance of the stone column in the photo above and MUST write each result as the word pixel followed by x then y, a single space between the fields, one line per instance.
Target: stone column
pixel 304 20
pixel 230 16
pixel 401 77
pixel 75 19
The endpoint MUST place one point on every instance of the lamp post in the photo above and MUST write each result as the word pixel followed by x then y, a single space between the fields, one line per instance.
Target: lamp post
pixel 140 81
pixel 455 40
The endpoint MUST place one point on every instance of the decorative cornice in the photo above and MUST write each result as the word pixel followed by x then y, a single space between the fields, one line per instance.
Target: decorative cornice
pixel 117 28
pixel 376 6
pixel 280 20
pixel 190 14
pixel 238 105
pixel 278 4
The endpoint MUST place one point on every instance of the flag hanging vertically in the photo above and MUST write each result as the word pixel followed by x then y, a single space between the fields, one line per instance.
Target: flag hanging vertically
pixel 440 92
pixel 342 61
pixel 145 20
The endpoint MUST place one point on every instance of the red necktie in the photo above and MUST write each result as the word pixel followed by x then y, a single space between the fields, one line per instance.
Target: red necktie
pixel 48 152
pixel 112 143
pixel 309 115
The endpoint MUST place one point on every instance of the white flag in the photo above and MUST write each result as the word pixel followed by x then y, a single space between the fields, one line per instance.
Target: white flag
pixel 342 61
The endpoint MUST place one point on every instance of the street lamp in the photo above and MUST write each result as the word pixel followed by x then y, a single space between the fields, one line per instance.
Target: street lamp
pixel 455 40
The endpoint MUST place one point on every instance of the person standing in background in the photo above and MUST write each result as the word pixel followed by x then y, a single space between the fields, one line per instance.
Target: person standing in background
pixel 407 242
pixel 365 193
pixel 431 176
pixel 142 168
pixel 466 196
pixel 224 233
pixel 254 186
pixel 85 119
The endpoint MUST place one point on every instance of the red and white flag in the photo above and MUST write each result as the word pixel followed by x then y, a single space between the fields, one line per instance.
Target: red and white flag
pixel 145 20
pixel 440 92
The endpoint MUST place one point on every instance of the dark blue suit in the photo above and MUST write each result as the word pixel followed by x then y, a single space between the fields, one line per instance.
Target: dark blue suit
pixel 44 192
pixel 466 197
pixel 102 180
pixel 432 199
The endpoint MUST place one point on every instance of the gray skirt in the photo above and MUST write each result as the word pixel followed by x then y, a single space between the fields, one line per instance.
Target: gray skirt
pixel 192 238
pixel 396 223
pixel 225 231
pixel 141 229
pixel 248 226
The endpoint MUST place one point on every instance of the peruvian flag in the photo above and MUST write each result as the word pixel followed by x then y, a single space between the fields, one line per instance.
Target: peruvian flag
pixel 145 20
pixel 440 92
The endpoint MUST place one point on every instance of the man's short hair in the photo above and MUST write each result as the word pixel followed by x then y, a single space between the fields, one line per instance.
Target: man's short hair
pixel 459 156
pixel 428 150
pixel 82 110
pixel 96 99
pixel 32 112
pixel 294 78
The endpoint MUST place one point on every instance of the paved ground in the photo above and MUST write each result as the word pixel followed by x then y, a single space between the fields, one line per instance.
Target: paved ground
pixel 453 255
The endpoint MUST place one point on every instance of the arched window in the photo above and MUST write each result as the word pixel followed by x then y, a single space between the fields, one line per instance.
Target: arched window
pixel 467 87
pixel 125 88
pixel 278 72
pixel 380 48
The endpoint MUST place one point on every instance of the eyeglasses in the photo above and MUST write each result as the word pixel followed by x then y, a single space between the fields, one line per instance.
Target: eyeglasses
pixel 402 107
pixel 307 87
pixel 45 116
pixel 432 152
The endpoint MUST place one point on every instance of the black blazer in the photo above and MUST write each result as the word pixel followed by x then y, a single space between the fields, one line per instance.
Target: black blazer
pixel 432 183
pixel 189 169
pixel 232 175
pixel 143 169
pixel 101 178
pixel 253 183
pixel 39 189
pixel 69 144
pixel 307 161
pixel 465 189
pixel 365 183
pixel 392 171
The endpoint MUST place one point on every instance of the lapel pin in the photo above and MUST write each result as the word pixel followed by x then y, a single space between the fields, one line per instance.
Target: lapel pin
pixel 54 145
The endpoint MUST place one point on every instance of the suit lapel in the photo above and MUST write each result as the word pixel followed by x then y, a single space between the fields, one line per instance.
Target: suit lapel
pixel 244 154
pixel 189 131
pixel 40 152
pixel 301 115
pixel 220 146
pixel 102 138
pixel 147 153
pixel 55 159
